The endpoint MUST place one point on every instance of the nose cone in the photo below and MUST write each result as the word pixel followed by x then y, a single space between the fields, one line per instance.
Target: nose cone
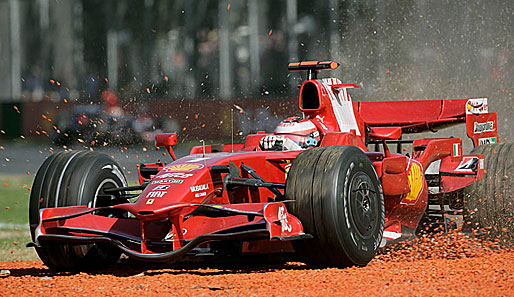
pixel 188 179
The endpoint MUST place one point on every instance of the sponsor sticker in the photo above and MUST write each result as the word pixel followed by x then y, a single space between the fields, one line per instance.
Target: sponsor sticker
pixel 156 194
pixel 468 164
pixel 476 106
pixel 392 235
pixel 416 183
pixel 183 167
pixel 199 188
pixel 282 216
pixel 456 149
pixel 487 140
pixel 201 194
pixel 174 175
pixel 321 121
pixel 161 188
pixel 167 181
pixel 483 127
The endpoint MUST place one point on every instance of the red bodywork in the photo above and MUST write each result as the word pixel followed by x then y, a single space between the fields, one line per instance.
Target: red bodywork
pixel 186 203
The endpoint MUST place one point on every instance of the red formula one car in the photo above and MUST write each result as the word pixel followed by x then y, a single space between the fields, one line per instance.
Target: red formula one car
pixel 311 189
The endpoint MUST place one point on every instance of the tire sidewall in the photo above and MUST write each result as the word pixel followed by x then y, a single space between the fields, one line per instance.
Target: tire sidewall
pixel 84 187
pixel 351 164
pixel 104 173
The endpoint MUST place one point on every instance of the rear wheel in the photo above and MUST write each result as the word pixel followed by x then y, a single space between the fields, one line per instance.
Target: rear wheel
pixel 489 202
pixel 339 201
pixel 68 179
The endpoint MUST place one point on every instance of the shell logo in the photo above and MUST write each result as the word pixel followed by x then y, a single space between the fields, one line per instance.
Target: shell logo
pixel 416 183
pixel 184 167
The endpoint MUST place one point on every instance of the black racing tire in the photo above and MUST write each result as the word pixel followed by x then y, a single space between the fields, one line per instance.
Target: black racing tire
pixel 69 179
pixel 339 200
pixel 489 202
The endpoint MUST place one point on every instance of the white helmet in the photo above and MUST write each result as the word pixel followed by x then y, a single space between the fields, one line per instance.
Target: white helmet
pixel 302 131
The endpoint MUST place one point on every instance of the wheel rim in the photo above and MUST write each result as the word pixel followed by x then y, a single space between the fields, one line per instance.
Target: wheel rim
pixel 105 184
pixel 363 204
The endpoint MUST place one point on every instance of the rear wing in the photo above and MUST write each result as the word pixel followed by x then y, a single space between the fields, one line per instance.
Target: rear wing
pixel 312 67
pixel 414 116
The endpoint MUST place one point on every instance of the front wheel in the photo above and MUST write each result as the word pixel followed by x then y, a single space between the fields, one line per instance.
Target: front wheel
pixel 69 179
pixel 339 201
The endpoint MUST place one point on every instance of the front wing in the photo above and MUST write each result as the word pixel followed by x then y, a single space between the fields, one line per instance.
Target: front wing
pixel 167 233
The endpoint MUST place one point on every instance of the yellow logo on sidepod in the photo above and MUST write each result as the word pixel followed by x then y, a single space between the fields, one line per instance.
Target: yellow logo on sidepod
pixel 415 176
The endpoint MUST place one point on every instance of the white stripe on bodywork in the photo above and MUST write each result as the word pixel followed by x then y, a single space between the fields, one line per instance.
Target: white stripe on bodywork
pixel 343 108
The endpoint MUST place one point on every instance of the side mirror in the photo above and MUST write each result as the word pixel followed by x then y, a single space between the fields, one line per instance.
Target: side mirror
pixel 385 133
pixel 167 140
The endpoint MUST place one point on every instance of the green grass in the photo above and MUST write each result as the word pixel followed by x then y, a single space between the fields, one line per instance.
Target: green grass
pixel 14 200
pixel 12 246
pixel 14 213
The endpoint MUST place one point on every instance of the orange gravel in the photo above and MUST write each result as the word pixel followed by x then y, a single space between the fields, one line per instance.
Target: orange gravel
pixel 453 265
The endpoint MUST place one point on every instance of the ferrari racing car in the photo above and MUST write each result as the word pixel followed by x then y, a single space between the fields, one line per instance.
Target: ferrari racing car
pixel 329 188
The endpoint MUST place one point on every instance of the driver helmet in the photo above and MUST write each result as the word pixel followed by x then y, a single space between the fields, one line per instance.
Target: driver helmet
pixel 302 131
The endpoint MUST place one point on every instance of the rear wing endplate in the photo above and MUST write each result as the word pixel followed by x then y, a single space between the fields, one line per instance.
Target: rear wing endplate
pixel 481 125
